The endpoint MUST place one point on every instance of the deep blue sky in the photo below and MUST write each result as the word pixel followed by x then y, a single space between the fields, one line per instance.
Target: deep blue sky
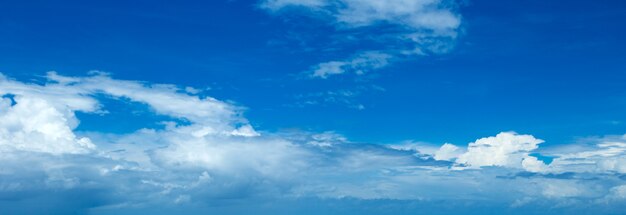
pixel 349 107
pixel 551 68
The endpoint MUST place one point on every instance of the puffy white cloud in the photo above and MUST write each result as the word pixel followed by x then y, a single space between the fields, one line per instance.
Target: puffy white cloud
pixel 33 124
pixel 533 164
pixel 424 26
pixel 506 149
pixel 41 118
pixel 447 152
pixel 596 155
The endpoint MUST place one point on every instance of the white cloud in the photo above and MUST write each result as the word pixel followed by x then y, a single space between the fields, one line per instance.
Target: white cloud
pixel 245 131
pixel 33 124
pixel 418 147
pixel 424 26
pixel 357 65
pixel 447 152
pixel 416 14
pixel 533 164
pixel 603 155
pixel 59 95
pixel 607 154
pixel 506 149
pixel 165 99
pixel 43 117
pixel 327 139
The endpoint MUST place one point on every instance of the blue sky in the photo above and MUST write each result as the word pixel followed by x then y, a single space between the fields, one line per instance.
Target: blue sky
pixel 277 106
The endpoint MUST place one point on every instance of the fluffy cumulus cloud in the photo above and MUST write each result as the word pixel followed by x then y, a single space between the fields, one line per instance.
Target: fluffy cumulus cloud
pixel 506 149
pixel 420 27
pixel 447 152
pixel 41 119
pixel 35 125
pixel 208 155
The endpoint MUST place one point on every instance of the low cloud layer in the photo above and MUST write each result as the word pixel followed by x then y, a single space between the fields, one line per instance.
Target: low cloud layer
pixel 209 154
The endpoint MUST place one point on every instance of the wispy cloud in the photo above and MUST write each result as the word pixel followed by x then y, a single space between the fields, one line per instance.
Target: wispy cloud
pixel 342 97
pixel 420 27
pixel 358 65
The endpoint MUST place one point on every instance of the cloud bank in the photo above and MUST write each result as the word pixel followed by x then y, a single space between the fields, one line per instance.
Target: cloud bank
pixel 209 155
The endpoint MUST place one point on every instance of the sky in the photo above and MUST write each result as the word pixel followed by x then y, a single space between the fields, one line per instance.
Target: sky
pixel 312 107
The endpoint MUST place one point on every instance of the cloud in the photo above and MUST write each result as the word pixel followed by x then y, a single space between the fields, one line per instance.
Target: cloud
pixel 41 118
pixel 343 97
pixel 279 4
pixel 447 152
pixel 35 125
pixel 506 149
pixel 327 139
pixel 561 189
pixel 416 14
pixel 533 164
pixel 606 154
pixel 618 192
pixel 166 100
pixel 214 156
pixel 420 27
pixel 357 65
